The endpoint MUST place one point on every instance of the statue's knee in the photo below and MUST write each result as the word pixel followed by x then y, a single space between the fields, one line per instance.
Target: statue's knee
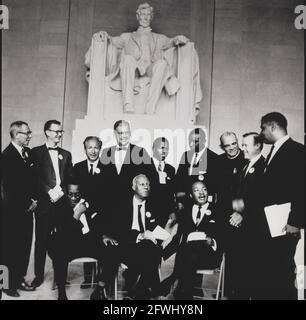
pixel 160 64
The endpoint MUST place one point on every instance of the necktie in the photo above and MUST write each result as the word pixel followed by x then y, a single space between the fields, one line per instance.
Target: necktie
pixel 244 171
pixel 24 155
pixel 55 149
pixel 195 162
pixel 141 227
pixel 269 156
pixel 160 167
pixel 198 215
pixel 91 169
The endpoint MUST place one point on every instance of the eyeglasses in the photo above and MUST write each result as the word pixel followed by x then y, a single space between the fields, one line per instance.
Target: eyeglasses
pixel 25 133
pixel 57 131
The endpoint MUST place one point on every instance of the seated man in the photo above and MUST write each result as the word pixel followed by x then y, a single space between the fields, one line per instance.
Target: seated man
pixel 129 239
pixel 200 242
pixel 70 236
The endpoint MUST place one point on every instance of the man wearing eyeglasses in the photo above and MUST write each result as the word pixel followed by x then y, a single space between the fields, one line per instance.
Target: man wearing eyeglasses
pixel 52 166
pixel 18 204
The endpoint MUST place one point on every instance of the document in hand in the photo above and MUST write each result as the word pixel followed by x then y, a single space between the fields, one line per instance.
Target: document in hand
pixel 160 233
pixel 277 217
pixel 196 236
pixel 85 228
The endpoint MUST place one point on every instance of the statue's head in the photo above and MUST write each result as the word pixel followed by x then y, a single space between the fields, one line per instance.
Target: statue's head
pixel 144 14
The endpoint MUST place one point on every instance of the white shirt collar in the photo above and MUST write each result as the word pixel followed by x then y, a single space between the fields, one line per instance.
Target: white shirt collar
pixel 49 146
pixel 18 147
pixel 125 147
pixel 281 141
pixel 137 202
pixel 195 210
pixel 254 160
pixel 95 164
pixel 143 29
pixel 156 163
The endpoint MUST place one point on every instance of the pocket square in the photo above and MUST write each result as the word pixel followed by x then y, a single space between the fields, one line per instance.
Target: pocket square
pixel 212 221
pixel 32 164
pixel 152 220
pixel 93 215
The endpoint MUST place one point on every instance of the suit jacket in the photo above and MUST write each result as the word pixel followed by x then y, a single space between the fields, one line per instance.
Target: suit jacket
pixel 212 225
pixel 93 187
pixel 208 163
pixel 17 183
pixel 230 174
pixel 163 194
pixel 45 174
pixel 250 188
pixel 117 223
pixel 283 180
pixel 136 162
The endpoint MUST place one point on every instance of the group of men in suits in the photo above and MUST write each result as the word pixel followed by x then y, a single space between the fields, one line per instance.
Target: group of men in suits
pixel 111 202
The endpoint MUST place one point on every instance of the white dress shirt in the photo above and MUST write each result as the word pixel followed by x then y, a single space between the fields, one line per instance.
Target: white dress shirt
pixel 277 145
pixel 119 157
pixel 54 158
pixel 195 210
pixel 136 203
pixel 95 164
pixel 251 163
pixel 195 160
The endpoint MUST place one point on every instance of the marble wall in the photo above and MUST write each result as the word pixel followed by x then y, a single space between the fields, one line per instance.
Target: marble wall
pixel 256 67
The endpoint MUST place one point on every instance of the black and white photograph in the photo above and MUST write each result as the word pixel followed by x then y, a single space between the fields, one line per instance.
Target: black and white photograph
pixel 152 150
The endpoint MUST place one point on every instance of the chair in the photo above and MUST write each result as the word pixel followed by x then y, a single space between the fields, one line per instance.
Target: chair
pixel 94 270
pixel 220 286
pixel 122 267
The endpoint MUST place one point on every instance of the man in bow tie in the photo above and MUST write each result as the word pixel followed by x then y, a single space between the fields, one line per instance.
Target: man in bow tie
pixel 18 203
pixel 122 162
pixel 92 179
pixel 52 166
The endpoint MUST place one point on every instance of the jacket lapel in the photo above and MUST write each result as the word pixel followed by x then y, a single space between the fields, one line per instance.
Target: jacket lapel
pixel 48 161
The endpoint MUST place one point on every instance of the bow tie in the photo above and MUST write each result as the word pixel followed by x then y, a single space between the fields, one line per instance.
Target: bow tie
pixel 55 149
pixel 121 148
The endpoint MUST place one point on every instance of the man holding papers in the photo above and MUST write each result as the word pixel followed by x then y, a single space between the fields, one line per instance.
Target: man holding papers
pixel 71 235
pixel 283 188
pixel 132 235
pixel 52 166
pixel 200 247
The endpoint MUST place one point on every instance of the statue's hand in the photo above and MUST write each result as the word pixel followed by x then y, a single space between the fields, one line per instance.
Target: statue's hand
pixel 178 40
pixel 101 36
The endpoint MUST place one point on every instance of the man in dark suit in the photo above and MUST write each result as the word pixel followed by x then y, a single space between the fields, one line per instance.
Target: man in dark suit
pixel 18 203
pixel 161 177
pixel 52 166
pixel 198 161
pixel 283 182
pixel 124 161
pixel 232 162
pixel 129 239
pixel 92 179
pixel 242 225
pixel 73 233
pixel 200 246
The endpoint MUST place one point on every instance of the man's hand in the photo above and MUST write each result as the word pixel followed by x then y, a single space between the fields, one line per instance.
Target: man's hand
pixel 180 40
pixel 172 220
pixel 236 219
pixel 209 241
pixel 79 210
pixel 148 235
pixel 238 205
pixel 33 206
pixel 292 231
pixel 101 36
pixel 108 240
